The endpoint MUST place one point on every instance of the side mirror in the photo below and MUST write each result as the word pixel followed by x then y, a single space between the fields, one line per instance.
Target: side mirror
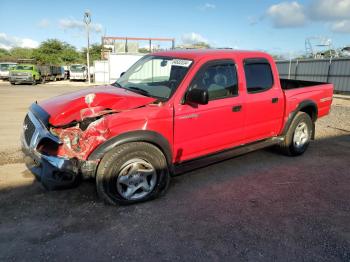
pixel 122 74
pixel 197 96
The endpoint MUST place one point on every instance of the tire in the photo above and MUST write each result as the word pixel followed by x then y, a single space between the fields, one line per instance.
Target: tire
pixel 131 173
pixel 294 144
pixel 13 83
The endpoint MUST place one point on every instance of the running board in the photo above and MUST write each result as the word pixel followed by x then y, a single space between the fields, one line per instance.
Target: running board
pixel 224 155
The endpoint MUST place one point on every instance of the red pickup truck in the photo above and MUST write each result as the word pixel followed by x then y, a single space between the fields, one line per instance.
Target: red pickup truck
pixel 169 113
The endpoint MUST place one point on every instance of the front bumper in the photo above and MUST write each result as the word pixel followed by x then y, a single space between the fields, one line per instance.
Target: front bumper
pixel 21 79
pixel 77 77
pixel 53 172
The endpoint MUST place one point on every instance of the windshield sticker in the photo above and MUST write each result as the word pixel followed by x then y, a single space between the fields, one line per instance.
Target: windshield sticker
pixel 181 62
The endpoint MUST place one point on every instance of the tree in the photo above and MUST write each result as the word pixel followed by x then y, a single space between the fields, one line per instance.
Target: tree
pixel 5 55
pixel 56 52
pixel 278 57
pixel 143 50
pixel 21 53
pixel 201 45
pixel 53 52
pixel 95 53
pixel 196 45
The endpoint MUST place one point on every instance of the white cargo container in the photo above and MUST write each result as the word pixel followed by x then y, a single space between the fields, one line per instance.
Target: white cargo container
pixel 108 71
pixel 119 63
pixel 101 72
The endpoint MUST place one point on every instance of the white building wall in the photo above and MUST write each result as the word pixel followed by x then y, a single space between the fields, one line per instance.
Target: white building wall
pixel 108 71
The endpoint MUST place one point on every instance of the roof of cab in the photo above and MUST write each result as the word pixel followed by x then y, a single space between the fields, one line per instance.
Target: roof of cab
pixel 196 54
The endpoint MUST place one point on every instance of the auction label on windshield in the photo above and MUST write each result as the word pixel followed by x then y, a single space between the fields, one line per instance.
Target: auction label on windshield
pixel 181 62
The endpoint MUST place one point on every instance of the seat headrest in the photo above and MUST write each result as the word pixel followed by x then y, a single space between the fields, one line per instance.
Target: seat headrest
pixel 220 79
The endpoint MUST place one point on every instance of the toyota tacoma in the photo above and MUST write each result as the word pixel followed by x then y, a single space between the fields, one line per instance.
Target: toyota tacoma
pixel 171 112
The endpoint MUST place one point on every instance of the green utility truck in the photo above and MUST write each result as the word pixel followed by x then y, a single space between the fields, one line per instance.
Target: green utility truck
pixel 30 73
pixel 25 73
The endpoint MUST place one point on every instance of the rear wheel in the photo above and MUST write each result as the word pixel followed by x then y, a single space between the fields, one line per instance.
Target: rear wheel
pixel 131 173
pixel 298 136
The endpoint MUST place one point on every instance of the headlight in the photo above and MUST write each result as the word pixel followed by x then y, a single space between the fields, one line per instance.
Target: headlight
pixel 67 142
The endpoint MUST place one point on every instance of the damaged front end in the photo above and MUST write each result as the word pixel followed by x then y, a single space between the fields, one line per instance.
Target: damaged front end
pixel 57 155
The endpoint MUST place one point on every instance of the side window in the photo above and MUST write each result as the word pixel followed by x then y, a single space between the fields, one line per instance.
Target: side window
pixel 219 78
pixel 258 75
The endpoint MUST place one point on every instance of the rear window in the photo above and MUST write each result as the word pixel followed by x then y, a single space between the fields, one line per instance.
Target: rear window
pixel 258 75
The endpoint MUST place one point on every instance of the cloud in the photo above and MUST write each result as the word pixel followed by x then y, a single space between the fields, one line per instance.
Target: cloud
pixel 327 10
pixel 286 14
pixel 253 20
pixel 8 42
pixel 207 6
pixel 341 27
pixel 70 23
pixel 44 23
pixel 193 38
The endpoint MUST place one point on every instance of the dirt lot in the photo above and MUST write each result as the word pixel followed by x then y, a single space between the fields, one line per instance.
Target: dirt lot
pixel 257 207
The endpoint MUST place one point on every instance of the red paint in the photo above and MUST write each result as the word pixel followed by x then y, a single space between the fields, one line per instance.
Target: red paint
pixel 215 128
pixel 66 108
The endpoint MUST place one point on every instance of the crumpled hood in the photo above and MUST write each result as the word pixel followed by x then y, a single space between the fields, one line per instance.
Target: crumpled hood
pixel 69 107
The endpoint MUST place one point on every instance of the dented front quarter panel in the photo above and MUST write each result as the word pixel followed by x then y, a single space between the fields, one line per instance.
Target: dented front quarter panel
pixel 77 143
pixel 153 117
pixel 67 108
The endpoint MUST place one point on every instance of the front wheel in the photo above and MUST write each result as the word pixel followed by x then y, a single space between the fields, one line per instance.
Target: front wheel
pixel 298 136
pixel 131 173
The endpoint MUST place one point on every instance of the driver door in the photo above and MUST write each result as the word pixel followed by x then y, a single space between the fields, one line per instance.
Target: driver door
pixel 204 129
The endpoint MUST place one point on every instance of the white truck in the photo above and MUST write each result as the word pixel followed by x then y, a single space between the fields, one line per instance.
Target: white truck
pixel 78 72
pixel 5 68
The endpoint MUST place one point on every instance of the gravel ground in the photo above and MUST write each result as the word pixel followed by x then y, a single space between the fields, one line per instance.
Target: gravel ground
pixel 258 207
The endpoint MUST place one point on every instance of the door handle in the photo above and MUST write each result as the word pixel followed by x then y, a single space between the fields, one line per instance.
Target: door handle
pixel 274 100
pixel 236 108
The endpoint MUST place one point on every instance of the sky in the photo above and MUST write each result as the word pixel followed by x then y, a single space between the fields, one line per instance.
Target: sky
pixel 278 27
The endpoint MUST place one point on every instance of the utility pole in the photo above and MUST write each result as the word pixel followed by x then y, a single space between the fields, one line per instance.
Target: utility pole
pixel 87 21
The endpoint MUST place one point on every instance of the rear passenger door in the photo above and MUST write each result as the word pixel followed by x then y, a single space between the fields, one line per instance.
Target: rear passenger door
pixel 205 129
pixel 264 102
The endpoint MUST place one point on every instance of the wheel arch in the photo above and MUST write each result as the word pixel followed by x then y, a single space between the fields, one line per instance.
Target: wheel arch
pixel 134 136
pixel 307 106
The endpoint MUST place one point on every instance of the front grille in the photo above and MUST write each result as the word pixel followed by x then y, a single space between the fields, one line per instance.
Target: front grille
pixel 19 74
pixel 28 129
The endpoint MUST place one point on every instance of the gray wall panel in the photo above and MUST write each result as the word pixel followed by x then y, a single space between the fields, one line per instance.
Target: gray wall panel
pixel 336 71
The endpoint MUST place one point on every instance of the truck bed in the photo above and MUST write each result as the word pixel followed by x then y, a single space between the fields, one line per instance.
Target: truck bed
pixel 287 84
pixel 296 91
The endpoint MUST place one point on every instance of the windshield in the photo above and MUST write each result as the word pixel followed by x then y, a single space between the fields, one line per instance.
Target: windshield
pixel 77 68
pixel 6 67
pixel 155 76
pixel 23 67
